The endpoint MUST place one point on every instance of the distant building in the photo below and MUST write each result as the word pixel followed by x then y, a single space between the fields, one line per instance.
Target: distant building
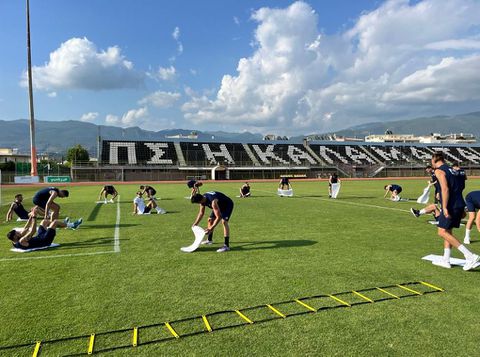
pixel 192 136
pixel 7 155
pixel 331 137
pixel 270 137
pixel 433 138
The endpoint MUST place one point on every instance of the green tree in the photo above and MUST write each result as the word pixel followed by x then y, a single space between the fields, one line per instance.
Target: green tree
pixel 77 154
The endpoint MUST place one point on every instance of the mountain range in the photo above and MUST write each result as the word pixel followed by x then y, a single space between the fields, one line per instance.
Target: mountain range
pixel 57 136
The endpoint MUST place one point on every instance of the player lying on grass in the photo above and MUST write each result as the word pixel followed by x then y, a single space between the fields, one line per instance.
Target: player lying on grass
pixel 194 186
pixel 46 232
pixel 17 207
pixel 222 207
pixel 139 206
pixel 44 199
pixel 394 191
pixel 108 190
pixel 284 184
pixel 451 183
pixel 473 204
pixel 245 190
pixel 149 191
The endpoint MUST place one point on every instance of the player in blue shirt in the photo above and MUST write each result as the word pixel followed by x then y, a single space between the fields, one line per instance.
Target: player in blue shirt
pixel 394 190
pixel 45 234
pixel 473 204
pixel 44 199
pixel 194 185
pixel 284 184
pixel 18 208
pixel 433 207
pixel 222 207
pixel 453 210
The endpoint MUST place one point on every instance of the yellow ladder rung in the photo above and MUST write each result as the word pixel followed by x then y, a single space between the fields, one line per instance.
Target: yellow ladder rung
pixel 207 324
pixel 172 331
pixel 408 289
pixel 362 296
pixel 91 343
pixel 244 317
pixel 340 301
pixel 276 311
pixel 388 293
pixel 135 337
pixel 305 305
pixel 37 349
pixel 431 286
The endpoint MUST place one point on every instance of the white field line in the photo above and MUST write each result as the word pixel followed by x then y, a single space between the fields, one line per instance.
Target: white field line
pixel 116 246
pixel 343 202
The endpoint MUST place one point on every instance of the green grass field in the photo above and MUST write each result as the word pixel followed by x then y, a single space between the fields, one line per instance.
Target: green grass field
pixel 282 249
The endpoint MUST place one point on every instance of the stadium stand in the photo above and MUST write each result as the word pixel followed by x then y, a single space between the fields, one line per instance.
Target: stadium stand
pixel 179 159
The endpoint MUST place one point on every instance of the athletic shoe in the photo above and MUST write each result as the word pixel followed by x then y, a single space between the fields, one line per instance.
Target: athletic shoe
pixel 472 263
pixel 442 263
pixel 105 202
pixel 466 241
pixel 223 249
pixel 206 241
pixel 415 212
pixel 161 211
pixel 77 223
pixel 66 220
pixel 111 200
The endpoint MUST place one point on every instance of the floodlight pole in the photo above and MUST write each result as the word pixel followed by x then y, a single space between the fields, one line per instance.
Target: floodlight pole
pixel 33 150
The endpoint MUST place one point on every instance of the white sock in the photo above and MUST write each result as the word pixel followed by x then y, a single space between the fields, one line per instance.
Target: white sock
pixel 422 211
pixel 70 225
pixel 158 209
pixel 446 254
pixel 467 233
pixel 468 254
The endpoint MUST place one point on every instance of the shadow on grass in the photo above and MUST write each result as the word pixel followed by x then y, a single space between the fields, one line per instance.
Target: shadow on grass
pixel 93 215
pixel 94 242
pixel 266 244
pixel 122 225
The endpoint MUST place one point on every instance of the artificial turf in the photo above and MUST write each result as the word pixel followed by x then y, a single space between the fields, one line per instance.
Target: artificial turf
pixel 282 249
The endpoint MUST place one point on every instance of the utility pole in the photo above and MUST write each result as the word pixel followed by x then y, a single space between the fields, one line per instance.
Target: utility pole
pixel 33 150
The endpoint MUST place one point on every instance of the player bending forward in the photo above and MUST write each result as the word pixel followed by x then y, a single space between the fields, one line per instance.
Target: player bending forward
pixel 453 209
pixel 222 207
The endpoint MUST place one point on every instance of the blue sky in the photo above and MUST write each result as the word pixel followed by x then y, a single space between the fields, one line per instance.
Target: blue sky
pixel 281 67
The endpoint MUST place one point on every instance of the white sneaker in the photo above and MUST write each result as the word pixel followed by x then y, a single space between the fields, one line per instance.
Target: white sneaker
pixel 223 249
pixel 466 241
pixel 161 211
pixel 206 241
pixel 105 202
pixel 472 263
pixel 111 200
pixel 442 263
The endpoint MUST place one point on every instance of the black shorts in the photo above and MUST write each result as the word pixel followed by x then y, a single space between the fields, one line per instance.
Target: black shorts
pixel 44 238
pixel 109 190
pixel 225 212
pixel 38 201
pixel 453 221
pixel 147 209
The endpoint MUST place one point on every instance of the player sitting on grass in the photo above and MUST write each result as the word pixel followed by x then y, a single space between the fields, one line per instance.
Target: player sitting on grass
pixel 194 186
pixel 108 190
pixel 44 199
pixel 394 191
pixel 18 208
pixel 284 184
pixel 245 190
pixel 139 206
pixel 222 207
pixel 452 183
pixel 473 203
pixel 149 191
pixel 25 239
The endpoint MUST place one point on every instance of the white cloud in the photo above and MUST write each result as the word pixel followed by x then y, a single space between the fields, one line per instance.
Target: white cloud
pixel 399 54
pixel 236 20
pixel 134 117
pixel 176 33
pixel 78 64
pixel 89 117
pixel 176 37
pixel 52 94
pixel 161 99
pixel 164 74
